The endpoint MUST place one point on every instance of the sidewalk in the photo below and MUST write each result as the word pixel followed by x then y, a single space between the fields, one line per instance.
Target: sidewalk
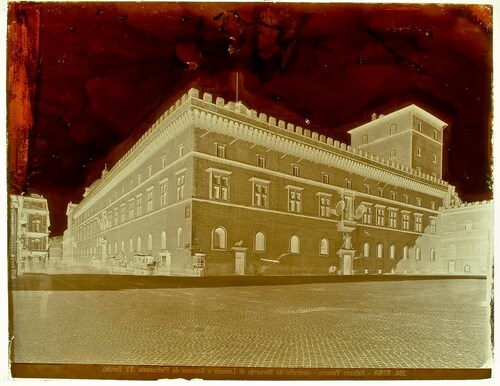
pixel 96 280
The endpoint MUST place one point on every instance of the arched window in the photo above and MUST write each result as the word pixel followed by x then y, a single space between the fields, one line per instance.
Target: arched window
pixel 163 240
pixel 150 242
pixel 139 246
pixel 380 250
pixel 295 244
pixel 131 245
pixel 260 242
pixel 324 247
pixel 467 268
pixel 180 238
pixel 366 249
pixel 405 252
pixel 219 238
pixel 393 252
pixel 418 254
pixel 116 247
pixel 432 255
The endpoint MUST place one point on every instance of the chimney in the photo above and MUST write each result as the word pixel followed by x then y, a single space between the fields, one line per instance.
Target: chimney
pixel 374 116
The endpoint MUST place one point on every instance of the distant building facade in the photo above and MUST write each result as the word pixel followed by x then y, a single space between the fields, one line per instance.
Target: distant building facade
pixel 29 231
pixel 215 188
pixel 55 249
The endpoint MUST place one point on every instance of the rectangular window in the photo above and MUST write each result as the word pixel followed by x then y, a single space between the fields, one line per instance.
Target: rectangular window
pixel 435 134
pixel 150 171
pixel 325 177
pixel 407 200
pixel 393 196
pixel 261 194
pixel 393 219
pixel 433 205
pixel 131 209
pixel 163 195
pixel 116 216
pixel 139 179
pixel 380 221
pixel 164 161
pixel 261 161
pixel 419 126
pixel 139 206
pixel 380 192
pixel 220 186
pixel 220 151
pixel 180 187
pixel 324 206
pixel 393 128
pixel 406 221
pixel 432 225
pixel 181 150
pixel 294 200
pixel 187 211
pixel 131 184
pixel 392 153
pixel 419 151
pixel 364 139
pixel 419 201
pixel 367 215
pixel 296 170
pixel 348 184
pixel 150 200
pixel 434 158
pixel 418 223
pixel 367 189
pixel 123 213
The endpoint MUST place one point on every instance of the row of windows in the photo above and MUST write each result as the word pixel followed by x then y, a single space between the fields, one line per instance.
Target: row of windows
pixel 392 252
pixel 393 129
pixel 132 183
pixel 325 177
pixel 219 242
pixel 220 190
pixel 134 245
pixel 134 207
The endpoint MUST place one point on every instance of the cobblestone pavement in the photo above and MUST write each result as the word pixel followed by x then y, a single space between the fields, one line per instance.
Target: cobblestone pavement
pixel 400 324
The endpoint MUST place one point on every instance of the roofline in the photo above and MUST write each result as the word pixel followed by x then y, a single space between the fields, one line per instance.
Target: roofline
pixel 414 109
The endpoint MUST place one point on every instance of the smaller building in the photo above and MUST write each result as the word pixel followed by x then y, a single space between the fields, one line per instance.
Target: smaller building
pixel 55 249
pixel 29 233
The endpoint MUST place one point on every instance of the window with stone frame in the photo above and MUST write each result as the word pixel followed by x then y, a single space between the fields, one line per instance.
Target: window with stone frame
pixel 418 222
pixel 294 200
pixel 181 180
pixel 261 193
pixel 324 205
pixel 367 215
pixel 220 186
pixel 380 216
pixel 393 215
pixel 406 220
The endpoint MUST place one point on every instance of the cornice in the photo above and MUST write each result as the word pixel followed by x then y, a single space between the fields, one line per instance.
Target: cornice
pixel 217 122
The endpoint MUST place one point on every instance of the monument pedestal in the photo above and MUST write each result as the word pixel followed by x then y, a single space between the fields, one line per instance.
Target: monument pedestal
pixel 346 260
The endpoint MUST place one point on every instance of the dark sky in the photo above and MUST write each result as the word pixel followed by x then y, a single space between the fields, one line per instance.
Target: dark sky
pixel 107 71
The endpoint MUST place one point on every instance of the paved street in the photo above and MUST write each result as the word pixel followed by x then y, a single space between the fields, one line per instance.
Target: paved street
pixel 386 324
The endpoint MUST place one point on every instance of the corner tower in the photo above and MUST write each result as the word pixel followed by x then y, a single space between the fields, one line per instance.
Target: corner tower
pixel 410 136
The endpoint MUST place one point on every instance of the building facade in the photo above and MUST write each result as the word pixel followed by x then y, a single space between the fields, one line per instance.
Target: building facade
pixel 29 232
pixel 215 188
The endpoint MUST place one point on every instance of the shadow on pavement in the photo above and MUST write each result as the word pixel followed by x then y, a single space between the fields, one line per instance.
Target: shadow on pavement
pixel 103 282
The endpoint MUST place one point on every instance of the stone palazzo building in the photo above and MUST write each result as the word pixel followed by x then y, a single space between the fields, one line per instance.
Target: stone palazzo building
pixel 29 223
pixel 215 188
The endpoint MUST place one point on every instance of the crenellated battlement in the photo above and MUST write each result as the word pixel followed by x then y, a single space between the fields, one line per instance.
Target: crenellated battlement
pixel 280 125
